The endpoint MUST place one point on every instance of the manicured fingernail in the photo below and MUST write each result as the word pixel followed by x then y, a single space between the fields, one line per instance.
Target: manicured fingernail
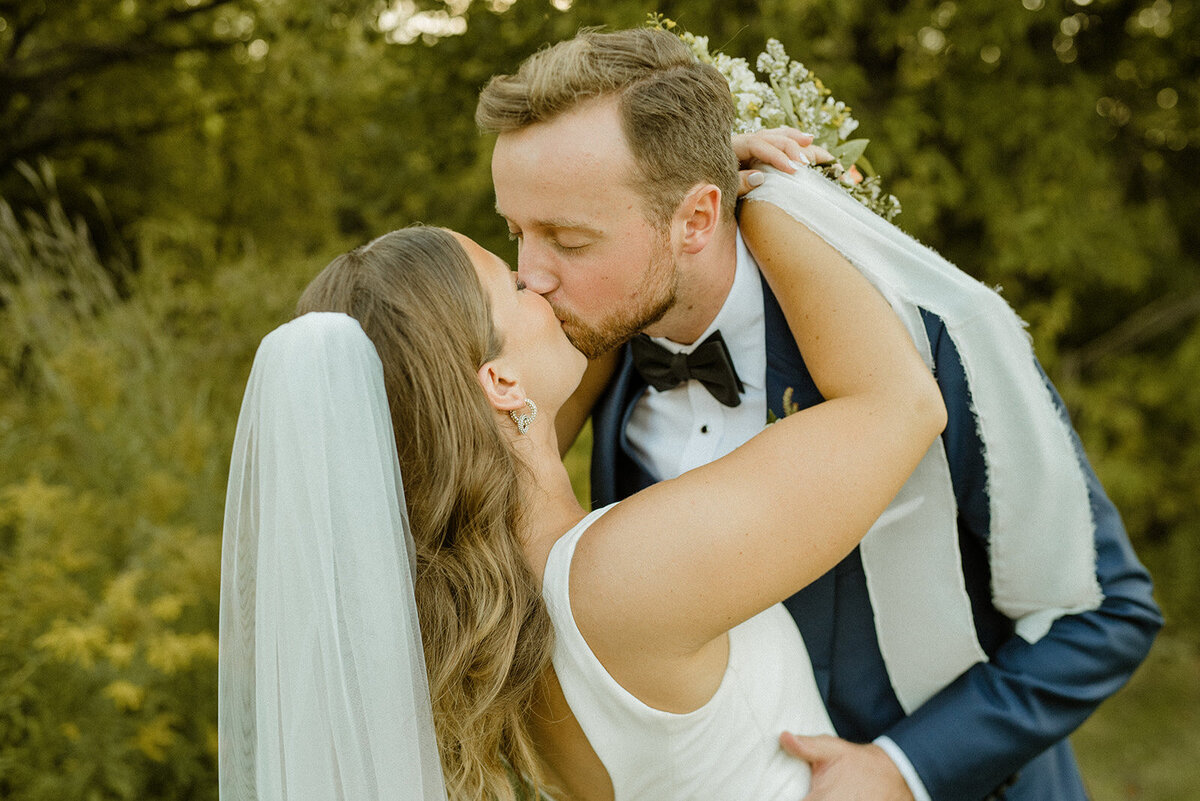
pixel 802 161
pixel 755 178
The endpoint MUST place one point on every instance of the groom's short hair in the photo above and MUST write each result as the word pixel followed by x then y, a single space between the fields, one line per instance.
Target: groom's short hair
pixel 677 113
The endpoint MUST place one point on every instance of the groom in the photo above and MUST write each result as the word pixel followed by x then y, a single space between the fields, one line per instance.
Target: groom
pixel 614 171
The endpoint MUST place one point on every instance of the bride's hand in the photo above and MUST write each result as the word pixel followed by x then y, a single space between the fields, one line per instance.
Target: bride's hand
pixel 783 148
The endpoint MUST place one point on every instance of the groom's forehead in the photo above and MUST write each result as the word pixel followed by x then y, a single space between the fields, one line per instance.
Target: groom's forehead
pixel 584 144
pixel 557 196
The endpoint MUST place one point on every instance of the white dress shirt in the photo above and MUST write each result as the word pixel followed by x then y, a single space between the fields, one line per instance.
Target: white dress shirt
pixel 685 427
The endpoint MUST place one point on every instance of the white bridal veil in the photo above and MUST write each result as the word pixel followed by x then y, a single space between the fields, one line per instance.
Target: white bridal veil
pixel 323 691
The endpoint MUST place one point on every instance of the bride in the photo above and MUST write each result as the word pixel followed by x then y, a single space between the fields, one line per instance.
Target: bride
pixel 655 620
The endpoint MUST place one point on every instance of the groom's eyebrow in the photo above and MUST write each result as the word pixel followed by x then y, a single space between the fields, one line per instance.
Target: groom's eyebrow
pixel 565 224
pixel 559 224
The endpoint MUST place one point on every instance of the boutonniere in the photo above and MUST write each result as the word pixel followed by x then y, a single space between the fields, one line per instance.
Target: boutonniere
pixel 790 407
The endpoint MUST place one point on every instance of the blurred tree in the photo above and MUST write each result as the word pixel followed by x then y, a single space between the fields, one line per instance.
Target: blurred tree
pixel 78 73
pixel 210 110
pixel 89 83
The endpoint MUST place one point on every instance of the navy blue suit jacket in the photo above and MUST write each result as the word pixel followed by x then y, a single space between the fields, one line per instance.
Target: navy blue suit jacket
pixel 1007 717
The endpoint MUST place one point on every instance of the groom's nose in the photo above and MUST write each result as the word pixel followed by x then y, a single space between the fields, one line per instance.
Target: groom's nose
pixel 535 271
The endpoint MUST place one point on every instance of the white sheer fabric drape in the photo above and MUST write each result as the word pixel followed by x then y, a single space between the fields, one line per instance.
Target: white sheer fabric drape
pixel 323 690
pixel 1041 548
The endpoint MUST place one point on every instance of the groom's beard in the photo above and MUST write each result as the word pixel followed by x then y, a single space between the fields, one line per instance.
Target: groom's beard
pixel 654 297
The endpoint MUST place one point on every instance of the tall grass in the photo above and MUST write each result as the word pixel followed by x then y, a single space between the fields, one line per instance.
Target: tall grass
pixel 118 395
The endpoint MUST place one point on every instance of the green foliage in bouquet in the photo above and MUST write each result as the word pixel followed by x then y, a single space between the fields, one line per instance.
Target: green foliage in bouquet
pixel 792 95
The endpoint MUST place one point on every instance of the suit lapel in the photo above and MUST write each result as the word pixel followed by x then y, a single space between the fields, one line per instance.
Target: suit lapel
pixel 785 366
pixel 812 607
pixel 617 472
pixel 833 613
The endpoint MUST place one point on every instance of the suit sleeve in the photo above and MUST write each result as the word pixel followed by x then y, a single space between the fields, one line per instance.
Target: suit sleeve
pixel 980 729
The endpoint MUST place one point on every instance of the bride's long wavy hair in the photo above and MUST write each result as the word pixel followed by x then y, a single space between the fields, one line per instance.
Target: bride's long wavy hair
pixel 487 635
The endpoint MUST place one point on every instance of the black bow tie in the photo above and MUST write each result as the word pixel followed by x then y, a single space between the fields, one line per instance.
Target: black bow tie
pixel 709 364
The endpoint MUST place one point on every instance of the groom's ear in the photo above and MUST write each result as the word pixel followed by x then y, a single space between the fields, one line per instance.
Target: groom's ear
pixel 700 215
pixel 503 391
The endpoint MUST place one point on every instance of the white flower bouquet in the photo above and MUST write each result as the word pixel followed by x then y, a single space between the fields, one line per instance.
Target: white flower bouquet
pixel 793 95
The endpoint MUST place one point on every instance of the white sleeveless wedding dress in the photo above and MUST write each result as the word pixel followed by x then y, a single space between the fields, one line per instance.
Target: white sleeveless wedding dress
pixel 728 749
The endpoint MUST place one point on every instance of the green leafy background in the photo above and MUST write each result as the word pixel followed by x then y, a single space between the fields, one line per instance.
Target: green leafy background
pixel 172 173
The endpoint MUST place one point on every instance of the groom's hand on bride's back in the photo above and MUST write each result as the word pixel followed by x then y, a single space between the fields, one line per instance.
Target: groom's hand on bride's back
pixel 786 149
pixel 845 771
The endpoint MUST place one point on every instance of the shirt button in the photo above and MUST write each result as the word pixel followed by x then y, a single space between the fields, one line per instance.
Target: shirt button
pixel 703 429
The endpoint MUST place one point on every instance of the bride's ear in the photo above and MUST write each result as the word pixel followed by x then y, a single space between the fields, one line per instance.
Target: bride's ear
pixel 503 390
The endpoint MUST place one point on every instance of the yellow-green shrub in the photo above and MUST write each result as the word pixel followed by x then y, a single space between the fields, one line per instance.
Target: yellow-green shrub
pixel 118 396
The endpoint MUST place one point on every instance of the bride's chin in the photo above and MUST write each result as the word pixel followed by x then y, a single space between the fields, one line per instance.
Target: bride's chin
pixel 572 374
pixel 581 368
